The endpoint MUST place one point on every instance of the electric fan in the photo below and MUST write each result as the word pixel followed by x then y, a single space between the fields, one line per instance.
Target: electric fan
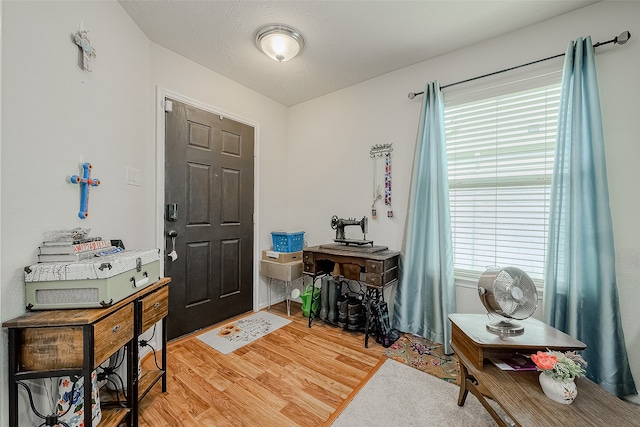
pixel 507 293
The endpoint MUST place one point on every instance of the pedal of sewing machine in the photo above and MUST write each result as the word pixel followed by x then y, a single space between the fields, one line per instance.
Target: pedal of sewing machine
pixel 354 242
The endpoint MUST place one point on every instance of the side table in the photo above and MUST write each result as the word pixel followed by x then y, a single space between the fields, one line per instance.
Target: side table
pixel 519 393
pixel 57 343
pixel 286 272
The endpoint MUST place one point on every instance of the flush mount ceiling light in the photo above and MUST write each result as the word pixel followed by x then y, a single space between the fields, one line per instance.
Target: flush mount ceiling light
pixel 279 42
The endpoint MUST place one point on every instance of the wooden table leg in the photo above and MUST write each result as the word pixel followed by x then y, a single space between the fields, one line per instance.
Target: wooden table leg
pixel 467 384
pixel 464 376
pixel 483 400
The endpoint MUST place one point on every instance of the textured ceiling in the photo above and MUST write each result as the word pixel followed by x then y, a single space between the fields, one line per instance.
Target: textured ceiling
pixel 347 42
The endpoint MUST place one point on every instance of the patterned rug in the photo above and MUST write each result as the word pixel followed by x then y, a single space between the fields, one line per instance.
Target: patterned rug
pixel 234 335
pixel 426 356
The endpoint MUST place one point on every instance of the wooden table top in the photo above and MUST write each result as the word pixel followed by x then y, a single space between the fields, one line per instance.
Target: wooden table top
pixel 76 316
pixel 536 334
pixel 521 396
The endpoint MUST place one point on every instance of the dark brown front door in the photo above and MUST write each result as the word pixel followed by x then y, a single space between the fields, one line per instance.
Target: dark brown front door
pixel 209 181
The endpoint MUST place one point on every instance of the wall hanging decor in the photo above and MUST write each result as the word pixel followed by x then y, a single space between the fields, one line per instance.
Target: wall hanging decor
pixel 387 183
pixel 85 182
pixel 377 194
pixel 376 153
pixel 88 52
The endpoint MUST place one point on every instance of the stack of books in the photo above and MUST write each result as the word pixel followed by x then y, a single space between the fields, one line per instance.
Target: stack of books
pixel 515 363
pixel 69 250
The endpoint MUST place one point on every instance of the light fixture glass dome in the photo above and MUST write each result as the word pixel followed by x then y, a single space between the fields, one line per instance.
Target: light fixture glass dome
pixel 279 42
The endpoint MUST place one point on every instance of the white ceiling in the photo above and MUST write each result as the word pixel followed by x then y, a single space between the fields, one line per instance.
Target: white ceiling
pixel 347 42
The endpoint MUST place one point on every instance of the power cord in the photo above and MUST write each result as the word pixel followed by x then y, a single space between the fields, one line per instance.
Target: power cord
pixel 145 343
pixel 108 374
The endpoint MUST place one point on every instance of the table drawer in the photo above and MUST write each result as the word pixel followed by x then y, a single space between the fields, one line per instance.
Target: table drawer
pixel 307 257
pixel 44 349
pixel 378 267
pixel 112 332
pixel 310 268
pixel 154 308
pixel 375 267
pixel 379 280
pixel 53 348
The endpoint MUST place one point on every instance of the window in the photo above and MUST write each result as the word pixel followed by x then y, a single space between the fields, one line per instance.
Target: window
pixel 500 152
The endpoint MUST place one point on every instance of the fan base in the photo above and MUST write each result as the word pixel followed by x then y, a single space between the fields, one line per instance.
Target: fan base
pixel 503 327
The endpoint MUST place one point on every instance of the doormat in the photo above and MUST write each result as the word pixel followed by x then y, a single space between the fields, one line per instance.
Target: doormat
pixel 234 335
pixel 426 356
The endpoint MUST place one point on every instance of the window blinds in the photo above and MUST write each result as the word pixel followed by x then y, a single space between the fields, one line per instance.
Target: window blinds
pixel 500 150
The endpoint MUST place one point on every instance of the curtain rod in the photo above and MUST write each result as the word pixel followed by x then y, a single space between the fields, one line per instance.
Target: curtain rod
pixel 621 39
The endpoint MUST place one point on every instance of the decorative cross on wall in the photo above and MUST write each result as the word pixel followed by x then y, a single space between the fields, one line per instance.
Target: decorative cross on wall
pixel 88 52
pixel 85 182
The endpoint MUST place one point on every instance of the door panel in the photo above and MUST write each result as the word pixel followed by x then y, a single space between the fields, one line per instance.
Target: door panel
pixel 199 266
pixel 199 198
pixel 230 143
pixel 209 175
pixel 230 267
pixel 231 196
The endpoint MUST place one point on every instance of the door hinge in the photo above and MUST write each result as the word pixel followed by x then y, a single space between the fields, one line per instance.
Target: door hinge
pixel 168 106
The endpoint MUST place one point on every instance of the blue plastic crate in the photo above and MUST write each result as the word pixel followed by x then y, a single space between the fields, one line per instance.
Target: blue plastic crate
pixel 287 242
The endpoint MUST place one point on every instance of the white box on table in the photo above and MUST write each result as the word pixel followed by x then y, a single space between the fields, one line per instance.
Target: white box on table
pixel 96 282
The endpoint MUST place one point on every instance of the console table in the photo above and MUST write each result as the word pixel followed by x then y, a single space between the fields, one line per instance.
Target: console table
pixel 378 264
pixel 519 393
pixel 57 343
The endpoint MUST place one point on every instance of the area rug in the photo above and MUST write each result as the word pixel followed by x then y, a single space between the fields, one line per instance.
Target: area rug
pixel 426 356
pixel 398 395
pixel 234 335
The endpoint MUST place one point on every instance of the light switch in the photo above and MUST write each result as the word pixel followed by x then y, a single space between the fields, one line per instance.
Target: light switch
pixel 132 176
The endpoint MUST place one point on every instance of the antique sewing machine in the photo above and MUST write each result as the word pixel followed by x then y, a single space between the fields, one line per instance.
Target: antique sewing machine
pixel 339 225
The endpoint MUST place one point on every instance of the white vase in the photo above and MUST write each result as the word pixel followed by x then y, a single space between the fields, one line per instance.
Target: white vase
pixel 560 391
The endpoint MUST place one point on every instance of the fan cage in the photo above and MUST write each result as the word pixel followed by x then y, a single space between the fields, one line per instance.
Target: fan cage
pixel 507 293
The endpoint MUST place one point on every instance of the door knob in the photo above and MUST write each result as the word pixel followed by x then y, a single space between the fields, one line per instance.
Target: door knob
pixel 173 254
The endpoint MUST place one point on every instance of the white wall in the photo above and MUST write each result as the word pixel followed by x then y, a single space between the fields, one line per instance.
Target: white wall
pixel 330 137
pixel 3 337
pixel 56 115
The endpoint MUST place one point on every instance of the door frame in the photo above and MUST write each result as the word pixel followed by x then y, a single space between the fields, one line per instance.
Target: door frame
pixel 161 94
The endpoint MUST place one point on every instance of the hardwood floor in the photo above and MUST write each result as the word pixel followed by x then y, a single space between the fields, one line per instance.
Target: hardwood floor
pixel 294 376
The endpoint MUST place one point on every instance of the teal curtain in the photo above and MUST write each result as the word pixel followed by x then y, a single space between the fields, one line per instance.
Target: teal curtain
pixel 580 294
pixel 426 294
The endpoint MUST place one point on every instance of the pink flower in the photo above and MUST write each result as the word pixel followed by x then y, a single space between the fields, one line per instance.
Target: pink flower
pixel 544 361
